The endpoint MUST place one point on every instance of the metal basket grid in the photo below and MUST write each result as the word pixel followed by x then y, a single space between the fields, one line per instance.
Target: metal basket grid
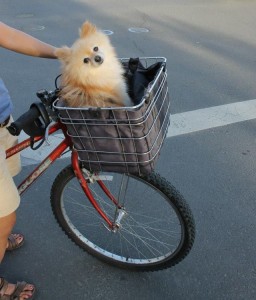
pixel 126 139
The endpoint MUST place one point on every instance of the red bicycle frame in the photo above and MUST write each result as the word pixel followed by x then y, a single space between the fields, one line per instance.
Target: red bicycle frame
pixel 55 154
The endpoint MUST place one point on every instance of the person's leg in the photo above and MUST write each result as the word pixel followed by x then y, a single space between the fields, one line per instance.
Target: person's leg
pixel 6 226
pixel 13 165
pixel 9 202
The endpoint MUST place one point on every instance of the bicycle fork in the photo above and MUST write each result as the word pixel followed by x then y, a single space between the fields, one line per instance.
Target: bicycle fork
pixel 120 211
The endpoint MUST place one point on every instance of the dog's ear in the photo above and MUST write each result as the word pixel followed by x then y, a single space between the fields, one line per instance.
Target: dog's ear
pixel 87 29
pixel 63 53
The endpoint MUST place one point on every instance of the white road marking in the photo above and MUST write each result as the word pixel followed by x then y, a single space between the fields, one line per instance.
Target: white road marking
pixel 182 123
pixel 31 157
pixel 206 118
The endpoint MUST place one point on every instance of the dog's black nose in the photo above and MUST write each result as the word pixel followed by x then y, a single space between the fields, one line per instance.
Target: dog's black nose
pixel 98 59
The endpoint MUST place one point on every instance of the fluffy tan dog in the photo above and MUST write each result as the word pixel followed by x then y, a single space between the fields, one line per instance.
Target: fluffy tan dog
pixel 91 73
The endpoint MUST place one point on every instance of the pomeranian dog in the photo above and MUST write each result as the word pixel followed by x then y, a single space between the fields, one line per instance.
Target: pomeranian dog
pixel 92 75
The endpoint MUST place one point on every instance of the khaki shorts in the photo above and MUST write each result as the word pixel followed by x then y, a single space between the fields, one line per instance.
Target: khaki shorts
pixel 9 196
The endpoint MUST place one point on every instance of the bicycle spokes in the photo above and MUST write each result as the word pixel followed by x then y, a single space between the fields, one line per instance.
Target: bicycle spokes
pixel 152 229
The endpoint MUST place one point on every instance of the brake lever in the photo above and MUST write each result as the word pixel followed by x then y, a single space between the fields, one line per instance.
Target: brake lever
pixel 43 95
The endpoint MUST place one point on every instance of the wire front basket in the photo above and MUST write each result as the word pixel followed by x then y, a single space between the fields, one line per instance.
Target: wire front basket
pixel 126 139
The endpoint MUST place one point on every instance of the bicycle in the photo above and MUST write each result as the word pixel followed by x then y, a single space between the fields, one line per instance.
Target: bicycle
pixel 138 222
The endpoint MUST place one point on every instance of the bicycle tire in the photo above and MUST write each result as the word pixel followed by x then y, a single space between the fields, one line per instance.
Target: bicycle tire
pixel 83 225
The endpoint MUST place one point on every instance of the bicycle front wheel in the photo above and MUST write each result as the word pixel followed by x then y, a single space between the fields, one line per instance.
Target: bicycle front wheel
pixel 156 229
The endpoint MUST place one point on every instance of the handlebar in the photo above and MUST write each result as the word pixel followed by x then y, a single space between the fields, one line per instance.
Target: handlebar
pixel 43 111
pixel 23 121
pixel 48 98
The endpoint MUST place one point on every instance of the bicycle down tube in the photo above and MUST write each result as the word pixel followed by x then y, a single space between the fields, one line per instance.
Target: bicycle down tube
pixel 39 170
pixel 55 154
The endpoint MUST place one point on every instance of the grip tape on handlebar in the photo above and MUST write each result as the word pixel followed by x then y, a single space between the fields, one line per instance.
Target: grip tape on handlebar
pixel 24 120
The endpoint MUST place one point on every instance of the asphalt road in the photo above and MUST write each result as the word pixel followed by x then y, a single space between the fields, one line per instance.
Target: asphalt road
pixel 210 47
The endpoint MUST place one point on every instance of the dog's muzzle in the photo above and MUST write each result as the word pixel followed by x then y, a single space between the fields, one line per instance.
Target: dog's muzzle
pixel 98 59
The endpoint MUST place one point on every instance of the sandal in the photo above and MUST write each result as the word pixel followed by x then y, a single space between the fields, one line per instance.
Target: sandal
pixel 13 243
pixel 19 288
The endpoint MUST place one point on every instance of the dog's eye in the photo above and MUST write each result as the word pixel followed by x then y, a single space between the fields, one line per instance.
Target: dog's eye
pixel 95 49
pixel 86 60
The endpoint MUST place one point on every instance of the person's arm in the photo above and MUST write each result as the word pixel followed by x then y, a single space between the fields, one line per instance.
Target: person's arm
pixel 23 43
